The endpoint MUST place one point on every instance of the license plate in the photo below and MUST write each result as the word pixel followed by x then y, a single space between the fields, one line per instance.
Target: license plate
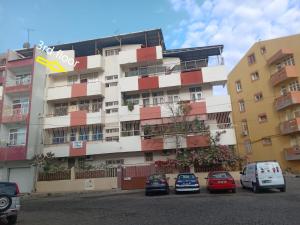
pixel 221 182
pixel 266 181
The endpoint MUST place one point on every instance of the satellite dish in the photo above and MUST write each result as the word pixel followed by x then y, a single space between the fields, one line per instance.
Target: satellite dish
pixel 26 45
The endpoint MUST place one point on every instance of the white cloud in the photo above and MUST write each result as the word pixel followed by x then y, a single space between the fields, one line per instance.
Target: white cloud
pixel 234 23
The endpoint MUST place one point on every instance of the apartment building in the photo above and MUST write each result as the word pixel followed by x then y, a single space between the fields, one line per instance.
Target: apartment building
pixel 264 89
pixel 99 111
pixel 22 83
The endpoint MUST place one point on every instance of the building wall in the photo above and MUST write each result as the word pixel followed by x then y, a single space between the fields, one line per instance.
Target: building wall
pixel 257 131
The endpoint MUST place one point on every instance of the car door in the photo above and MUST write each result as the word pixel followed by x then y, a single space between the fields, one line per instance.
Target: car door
pixel 248 175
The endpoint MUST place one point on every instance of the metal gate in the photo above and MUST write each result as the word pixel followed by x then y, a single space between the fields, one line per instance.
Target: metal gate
pixel 134 177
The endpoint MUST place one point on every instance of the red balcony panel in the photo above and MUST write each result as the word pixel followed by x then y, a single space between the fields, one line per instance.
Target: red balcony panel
pixel 291 98
pixel 284 74
pixel 79 90
pixel 147 83
pixel 292 153
pixel 18 88
pixel 284 52
pixel 146 54
pixel 19 63
pixel 82 65
pixel 155 144
pixel 290 126
pixel 1 79
pixel 12 153
pixel 15 118
pixel 197 108
pixel 78 118
pixel 197 141
pixel 191 77
pixel 78 151
pixel 147 113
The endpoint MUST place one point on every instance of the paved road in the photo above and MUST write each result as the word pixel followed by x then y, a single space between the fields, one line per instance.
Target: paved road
pixel 242 208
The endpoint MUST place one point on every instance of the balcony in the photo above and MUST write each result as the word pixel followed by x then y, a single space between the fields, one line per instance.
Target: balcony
pixel 283 74
pixel 12 153
pixel 19 85
pixel 155 144
pixel 140 55
pixel 291 98
pixel 19 63
pixel 290 126
pixel 15 115
pixel 282 53
pixel 292 153
pixel 216 104
pixel 75 90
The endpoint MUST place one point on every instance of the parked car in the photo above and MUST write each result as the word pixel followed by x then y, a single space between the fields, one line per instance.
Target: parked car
pixel 157 183
pixel 187 182
pixel 263 175
pixel 9 202
pixel 220 180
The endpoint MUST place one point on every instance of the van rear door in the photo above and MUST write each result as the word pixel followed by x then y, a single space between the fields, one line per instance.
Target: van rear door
pixel 269 174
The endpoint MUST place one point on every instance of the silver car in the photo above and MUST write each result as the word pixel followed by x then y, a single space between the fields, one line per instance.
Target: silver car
pixel 9 202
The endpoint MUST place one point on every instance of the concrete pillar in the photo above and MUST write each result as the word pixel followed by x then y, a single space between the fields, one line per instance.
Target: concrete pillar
pixel 73 173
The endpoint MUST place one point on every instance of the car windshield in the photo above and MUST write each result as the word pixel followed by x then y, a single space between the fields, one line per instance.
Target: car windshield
pixel 186 176
pixel 156 176
pixel 220 175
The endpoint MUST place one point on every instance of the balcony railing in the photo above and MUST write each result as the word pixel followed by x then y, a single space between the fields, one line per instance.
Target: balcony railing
pixel 283 74
pixel 290 126
pixel 63 111
pixel 292 153
pixel 18 82
pixel 67 138
pixel 168 69
pixel 130 133
pixel 289 99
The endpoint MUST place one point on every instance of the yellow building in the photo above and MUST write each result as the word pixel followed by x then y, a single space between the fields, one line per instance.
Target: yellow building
pixel 265 96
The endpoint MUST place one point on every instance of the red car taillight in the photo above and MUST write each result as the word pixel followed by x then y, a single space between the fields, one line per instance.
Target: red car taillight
pixel 17 189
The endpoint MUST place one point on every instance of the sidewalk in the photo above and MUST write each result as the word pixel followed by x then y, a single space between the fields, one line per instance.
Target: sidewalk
pixel 112 192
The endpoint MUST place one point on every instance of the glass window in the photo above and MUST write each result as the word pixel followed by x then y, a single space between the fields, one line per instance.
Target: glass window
pixel 97 133
pixel 254 76
pixel 294 86
pixel 83 133
pixel 72 79
pixel 158 98
pixel 196 93
pixel 238 86
pixel 242 106
pixel 258 97
pixel 146 99
pixel 17 136
pixel 59 136
pixel 73 134
pixel 251 59
pixel 96 105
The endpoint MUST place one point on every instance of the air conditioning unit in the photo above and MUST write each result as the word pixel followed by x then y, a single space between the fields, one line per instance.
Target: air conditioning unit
pixel 244 133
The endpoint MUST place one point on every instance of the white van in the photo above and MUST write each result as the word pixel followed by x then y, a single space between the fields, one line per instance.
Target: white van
pixel 263 175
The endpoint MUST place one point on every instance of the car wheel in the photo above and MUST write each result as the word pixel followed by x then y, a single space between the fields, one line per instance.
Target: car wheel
pixel 146 193
pixel 283 189
pixel 167 192
pixel 233 190
pixel 5 203
pixel 12 220
pixel 254 188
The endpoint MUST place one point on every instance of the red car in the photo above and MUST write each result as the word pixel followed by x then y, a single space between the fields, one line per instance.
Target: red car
pixel 220 180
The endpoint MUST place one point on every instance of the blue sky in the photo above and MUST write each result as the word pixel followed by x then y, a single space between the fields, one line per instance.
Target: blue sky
pixel 185 23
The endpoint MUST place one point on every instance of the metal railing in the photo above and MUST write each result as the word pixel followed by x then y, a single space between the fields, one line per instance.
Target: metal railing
pixel 9 111
pixel 130 133
pixel 168 69
pixel 95 173
pixel 67 138
pixel 17 82
pixel 65 110
pixel 59 175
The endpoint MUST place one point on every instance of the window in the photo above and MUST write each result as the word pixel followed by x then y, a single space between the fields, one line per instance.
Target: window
pixel 83 105
pixel 111 84
pixel 60 109
pixel 244 126
pixel 294 86
pixel 247 146
pixel 242 105
pixel 83 78
pixel 83 134
pixel 97 133
pixel 110 139
pixel 96 105
pixel 111 77
pixel 110 52
pixel 173 96
pixel 73 134
pixel 149 156
pixel 146 99
pixel 115 162
pixel 286 62
pixel 72 79
pixel 158 98
pixel 23 79
pixel 131 128
pixel 196 93
pixel 283 90
pixel 17 136
pixel 107 104
pixel 114 110
pixel 266 141
pixel 238 86
pixel 254 76
pixel 59 136
pixel 251 59
pixel 258 97
pixel 112 130
pixel 262 118
pixel 20 106
pixel 263 50
pixel 134 99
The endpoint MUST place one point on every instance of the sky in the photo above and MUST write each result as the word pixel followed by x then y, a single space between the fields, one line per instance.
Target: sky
pixel 236 24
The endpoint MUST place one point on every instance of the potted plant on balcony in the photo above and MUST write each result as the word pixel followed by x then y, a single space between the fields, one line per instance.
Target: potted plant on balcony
pixel 130 106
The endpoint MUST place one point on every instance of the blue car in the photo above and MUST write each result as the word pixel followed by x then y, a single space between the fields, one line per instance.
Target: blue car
pixel 187 182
